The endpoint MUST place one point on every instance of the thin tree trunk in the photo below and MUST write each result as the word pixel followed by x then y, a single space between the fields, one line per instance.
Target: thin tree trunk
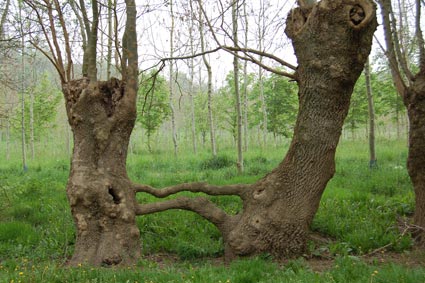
pixel 7 136
pixel 23 78
pixel 171 86
pixel 372 153
pixel 240 164
pixel 192 73
pixel 209 84
pixel 245 85
pixel 32 142
pixel 261 34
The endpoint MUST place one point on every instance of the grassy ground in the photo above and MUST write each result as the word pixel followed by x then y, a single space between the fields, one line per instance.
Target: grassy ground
pixel 361 211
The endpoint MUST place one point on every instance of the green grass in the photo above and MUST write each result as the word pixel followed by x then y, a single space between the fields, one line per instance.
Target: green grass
pixel 358 211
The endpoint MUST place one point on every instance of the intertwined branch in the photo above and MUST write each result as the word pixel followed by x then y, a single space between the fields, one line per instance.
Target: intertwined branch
pixel 199 205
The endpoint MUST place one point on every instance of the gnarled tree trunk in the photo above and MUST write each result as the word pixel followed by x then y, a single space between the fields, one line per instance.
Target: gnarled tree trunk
pixel 102 201
pixel 332 41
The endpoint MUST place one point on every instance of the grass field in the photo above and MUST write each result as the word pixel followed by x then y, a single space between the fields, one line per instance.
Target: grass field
pixel 361 212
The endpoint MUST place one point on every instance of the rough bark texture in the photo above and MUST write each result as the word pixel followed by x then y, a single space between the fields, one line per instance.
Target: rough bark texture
pixel 331 49
pixel 415 103
pixel 101 116
pixel 332 41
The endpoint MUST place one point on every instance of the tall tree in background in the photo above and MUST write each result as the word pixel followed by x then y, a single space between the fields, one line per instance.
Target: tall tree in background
pixel 371 118
pixel 22 87
pixel 240 165
pixel 172 81
pixel 192 74
pixel 409 80
pixel 261 33
pixel 209 84
pixel 245 83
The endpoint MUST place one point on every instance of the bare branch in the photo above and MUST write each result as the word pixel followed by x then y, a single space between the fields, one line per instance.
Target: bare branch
pixel 233 50
pixel 50 59
pixel 67 45
pixel 398 49
pixel 239 189
pixel 390 51
pixel 200 205
pixel 55 39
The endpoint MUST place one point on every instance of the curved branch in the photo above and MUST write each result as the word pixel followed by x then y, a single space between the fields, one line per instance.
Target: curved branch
pixel 261 53
pixel 199 205
pixel 239 189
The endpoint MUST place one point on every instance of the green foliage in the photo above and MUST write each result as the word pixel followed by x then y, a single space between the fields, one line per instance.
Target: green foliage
pixel 217 162
pixel 152 104
pixel 385 98
pixel 282 105
pixel 46 99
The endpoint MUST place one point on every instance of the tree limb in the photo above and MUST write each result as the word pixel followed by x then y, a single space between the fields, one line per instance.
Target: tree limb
pixel 199 205
pixel 66 37
pixel 239 189
pixel 234 49
pixel 390 51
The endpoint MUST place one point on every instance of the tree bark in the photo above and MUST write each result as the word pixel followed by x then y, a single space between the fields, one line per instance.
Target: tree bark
pixel 331 52
pixel 332 42
pixel 99 192
pixel 102 116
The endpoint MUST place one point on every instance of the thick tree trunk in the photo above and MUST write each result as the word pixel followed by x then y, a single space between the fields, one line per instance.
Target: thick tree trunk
pixel 331 52
pixel 332 41
pixel 101 116
pixel 415 103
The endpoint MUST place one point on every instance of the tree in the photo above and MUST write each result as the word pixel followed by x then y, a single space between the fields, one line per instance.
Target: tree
pixel 171 82
pixel 240 165
pixel 209 84
pixel 153 104
pixel 409 79
pixel 371 111
pixel 102 115
pixel 332 41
